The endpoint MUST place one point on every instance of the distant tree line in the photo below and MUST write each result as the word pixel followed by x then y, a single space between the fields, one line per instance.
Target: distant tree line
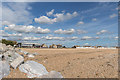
pixel 8 42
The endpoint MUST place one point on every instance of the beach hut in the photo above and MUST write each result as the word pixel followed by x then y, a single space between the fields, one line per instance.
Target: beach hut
pixel 44 46
pixel 50 46
pixel 54 46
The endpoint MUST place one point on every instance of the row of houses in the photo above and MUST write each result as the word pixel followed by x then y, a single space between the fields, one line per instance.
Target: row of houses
pixel 36 45
pixel 100 47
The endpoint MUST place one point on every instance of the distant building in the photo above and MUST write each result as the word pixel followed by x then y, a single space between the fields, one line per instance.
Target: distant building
pixel 44 46
pixel 99 46
pixel 50 46
pixel 53 46
pixel 28 45
pixel 37 46
pixel 59 46
pixel 75 46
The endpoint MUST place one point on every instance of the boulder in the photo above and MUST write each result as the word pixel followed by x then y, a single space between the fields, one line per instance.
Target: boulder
pixel 33 69
pixel 16 62
pixel 4 69
pixel 52 74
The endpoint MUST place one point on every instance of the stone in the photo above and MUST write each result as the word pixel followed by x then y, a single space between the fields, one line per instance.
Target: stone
pixel 4 69
pixel 17 62
pixel 52 74
pixel 33 69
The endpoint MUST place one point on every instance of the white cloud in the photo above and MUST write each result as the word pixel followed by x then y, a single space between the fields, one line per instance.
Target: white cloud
pixel 80 22
pixel 72 38
pixel 60 31
pixel 44 20
pixel 86 44
pixel 52 38
pixel 4 34
pixel 81 31
pixel 59 38
pixel 94 19
pixel 16 13
pixel 116 37
pixel 57 17
pixel 6 23
pixel 50 13
pixel 86 37
pixel 26 29
pixel 62 16
pixel 39 30
pixel 89 38
pixel 101 32
pixel 31 38
pixel 113 15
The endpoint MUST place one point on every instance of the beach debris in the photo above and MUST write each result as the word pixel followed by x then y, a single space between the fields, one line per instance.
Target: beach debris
pixel 33 69
pixel 4 69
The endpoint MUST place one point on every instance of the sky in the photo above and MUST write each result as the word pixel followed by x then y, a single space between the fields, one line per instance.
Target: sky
pixel 66 23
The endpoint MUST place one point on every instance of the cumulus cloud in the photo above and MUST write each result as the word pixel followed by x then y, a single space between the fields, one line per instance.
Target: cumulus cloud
pixel 52 38
pixel 6 23
pixel 4 34
pixel 116 38
pixel 60 31
pixel 94 19
pixel 31 38
pixel 72 38
pixel 50 13
pixel 86 44
pixel 39 30
pixel 89 38
pixel 44 20
pixel 59 38
pixel 81 31
pixel 86 37
pixel 26 29
pixel 57 17
pixel 101 32
pixel 113 15
pixel 16 13
pixel 80 22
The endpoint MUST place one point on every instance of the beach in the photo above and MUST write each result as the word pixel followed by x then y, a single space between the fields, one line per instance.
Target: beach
pixel 74 63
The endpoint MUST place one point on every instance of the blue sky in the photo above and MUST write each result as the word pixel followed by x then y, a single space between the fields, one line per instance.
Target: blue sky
pixel 67 23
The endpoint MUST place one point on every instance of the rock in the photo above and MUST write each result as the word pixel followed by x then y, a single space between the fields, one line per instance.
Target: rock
pixel 4 69
pixel 30 55
pixel 17 62
pixel 52 74
pixel 33 69
pixel 3 48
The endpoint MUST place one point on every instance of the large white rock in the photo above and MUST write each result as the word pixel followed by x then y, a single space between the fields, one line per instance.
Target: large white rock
pixel 4 69
pixel 17 62
pixel 52 74
pixel 33 69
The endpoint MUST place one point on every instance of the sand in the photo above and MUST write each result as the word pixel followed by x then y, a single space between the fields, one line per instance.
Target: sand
pixel 75 63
